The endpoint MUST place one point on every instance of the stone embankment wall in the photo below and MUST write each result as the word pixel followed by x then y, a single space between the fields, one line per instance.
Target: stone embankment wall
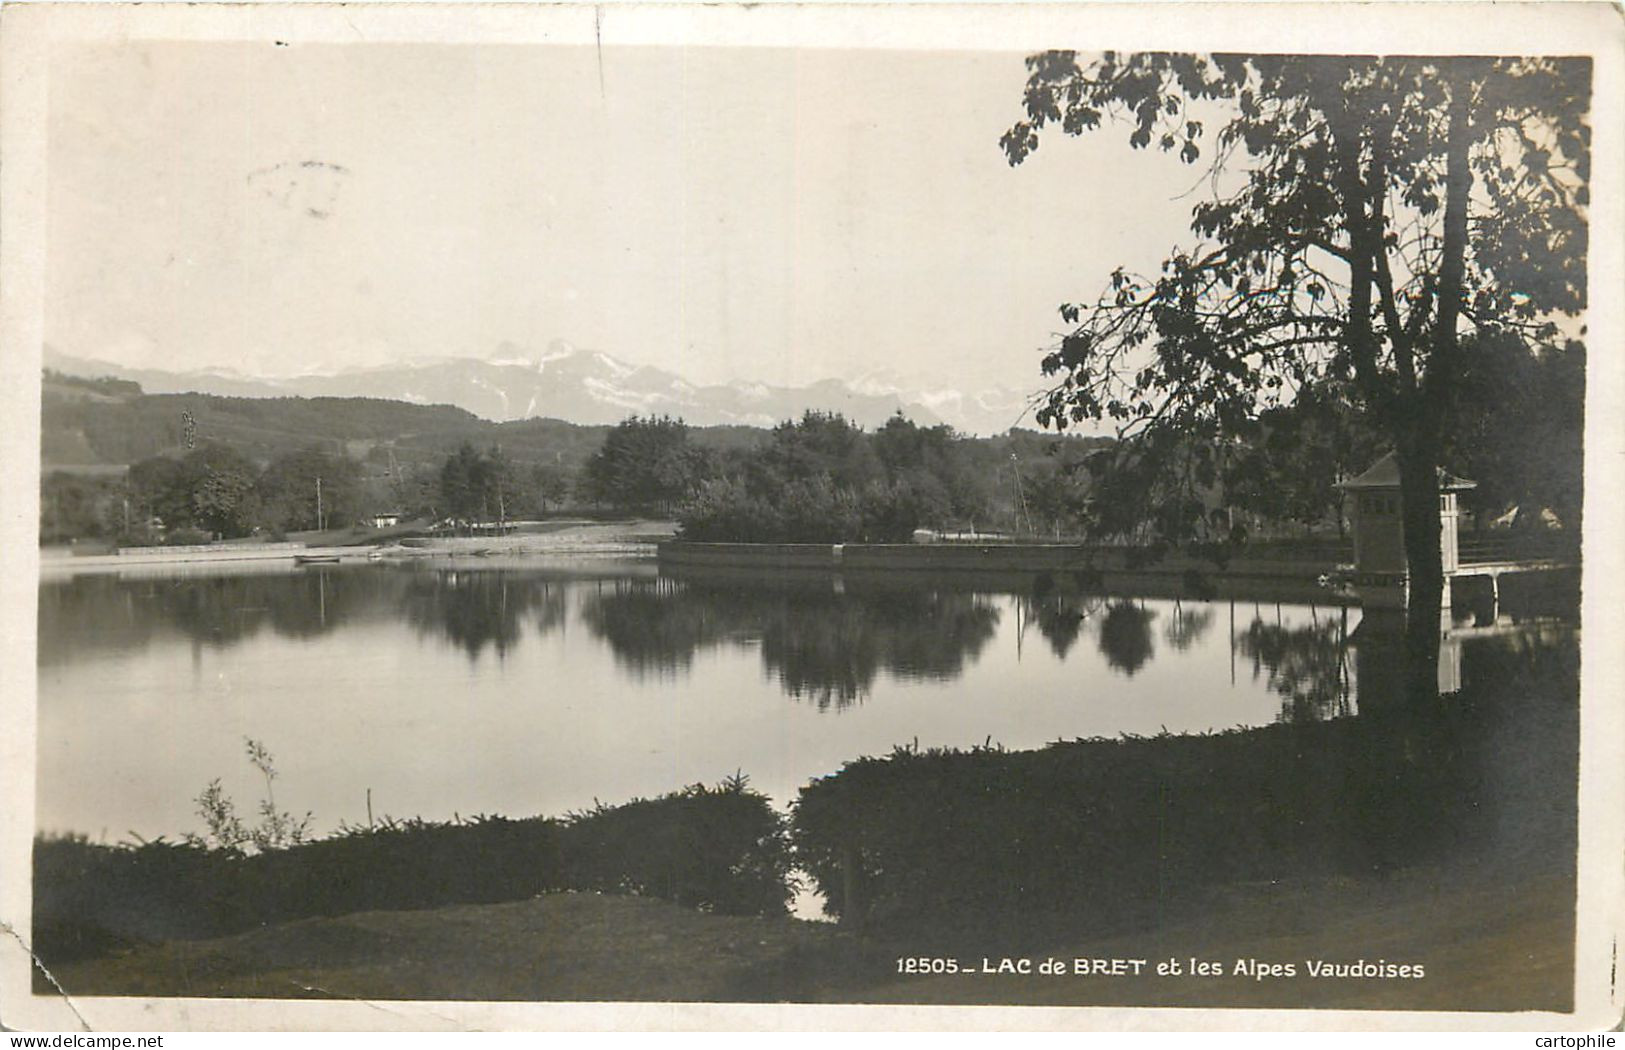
pixel 1099 568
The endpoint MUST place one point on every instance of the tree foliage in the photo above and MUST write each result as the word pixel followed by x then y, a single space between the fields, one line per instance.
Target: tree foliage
pixel 822 479
pixel 646 463
pixel 218 491
pixel 211 488
pixel 479 486
pixel 1372 224
pixel 289 485
pixel 551 484
pixel 74 506
pixel 1285 467
pixel 1519 426
pixel 1377 208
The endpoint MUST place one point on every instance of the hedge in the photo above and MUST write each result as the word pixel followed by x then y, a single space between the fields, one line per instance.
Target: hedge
pixel 924 840
pixel 717 849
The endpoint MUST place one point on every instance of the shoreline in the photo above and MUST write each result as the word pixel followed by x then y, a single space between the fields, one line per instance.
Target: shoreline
pixel 573 538
pixel 1287 576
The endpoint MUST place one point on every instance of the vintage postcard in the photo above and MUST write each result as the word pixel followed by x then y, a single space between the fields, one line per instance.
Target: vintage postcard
pixel 999 516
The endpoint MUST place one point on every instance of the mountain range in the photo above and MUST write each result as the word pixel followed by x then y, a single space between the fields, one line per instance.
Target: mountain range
pixel 588 387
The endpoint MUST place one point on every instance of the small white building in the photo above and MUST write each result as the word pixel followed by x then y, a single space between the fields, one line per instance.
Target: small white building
pixel 1380 566
pixel 389 519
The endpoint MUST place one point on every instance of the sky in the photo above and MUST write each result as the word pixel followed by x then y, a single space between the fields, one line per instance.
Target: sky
pixel 726 213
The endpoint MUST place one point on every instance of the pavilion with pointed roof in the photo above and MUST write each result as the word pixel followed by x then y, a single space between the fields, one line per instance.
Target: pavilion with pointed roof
pixel 1377 513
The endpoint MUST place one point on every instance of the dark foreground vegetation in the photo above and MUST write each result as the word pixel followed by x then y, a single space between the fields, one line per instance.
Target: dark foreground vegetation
pixel 715 849
pixel 1095 834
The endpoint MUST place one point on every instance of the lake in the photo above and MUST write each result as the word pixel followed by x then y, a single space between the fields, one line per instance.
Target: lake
pixel 438 689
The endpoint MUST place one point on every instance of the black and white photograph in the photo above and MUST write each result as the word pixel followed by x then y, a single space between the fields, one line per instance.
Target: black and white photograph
pixel 1066 510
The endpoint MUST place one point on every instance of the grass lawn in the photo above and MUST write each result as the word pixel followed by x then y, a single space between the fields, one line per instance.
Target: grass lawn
pixel 1489 940
pixel 1486 943
pixel 561 946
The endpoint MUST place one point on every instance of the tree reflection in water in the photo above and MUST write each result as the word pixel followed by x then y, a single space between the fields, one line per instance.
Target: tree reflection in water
pixel 471 609
pixel 1058 612
pixel 1061 618
pixel 824 639
pixel 831 655
pixel 107 612
pixel 95 613
pixel 653 626
pixel 1187 626
pixel 477 609
pixel 1307 666
pixel 1125 636
pixel 825 643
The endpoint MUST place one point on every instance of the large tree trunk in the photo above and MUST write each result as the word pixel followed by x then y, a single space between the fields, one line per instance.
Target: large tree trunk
pixel 1421 412
pixel 1419 498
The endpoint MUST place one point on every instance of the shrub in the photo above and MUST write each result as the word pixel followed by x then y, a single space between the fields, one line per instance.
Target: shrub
pixel 919 840
pixel 670 847
pixel 720 849
pixel 813 510
pixel 91 899
pixel 725 511
pixel 276 828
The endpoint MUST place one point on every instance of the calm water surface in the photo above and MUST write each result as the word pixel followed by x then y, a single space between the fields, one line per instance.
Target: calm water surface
pixel 537 690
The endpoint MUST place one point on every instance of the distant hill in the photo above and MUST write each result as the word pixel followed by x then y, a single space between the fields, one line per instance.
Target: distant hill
pixel 585 387
pixel 88 423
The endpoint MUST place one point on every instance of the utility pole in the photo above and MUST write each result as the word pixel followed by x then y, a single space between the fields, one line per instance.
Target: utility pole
pixel 499 467
pixel 318 503
pixel 397 484
pixel 1021 495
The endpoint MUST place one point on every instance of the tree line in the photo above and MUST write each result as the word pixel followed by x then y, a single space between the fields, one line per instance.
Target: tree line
pixel 217 492
pixel 822 478
pixel 212 492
